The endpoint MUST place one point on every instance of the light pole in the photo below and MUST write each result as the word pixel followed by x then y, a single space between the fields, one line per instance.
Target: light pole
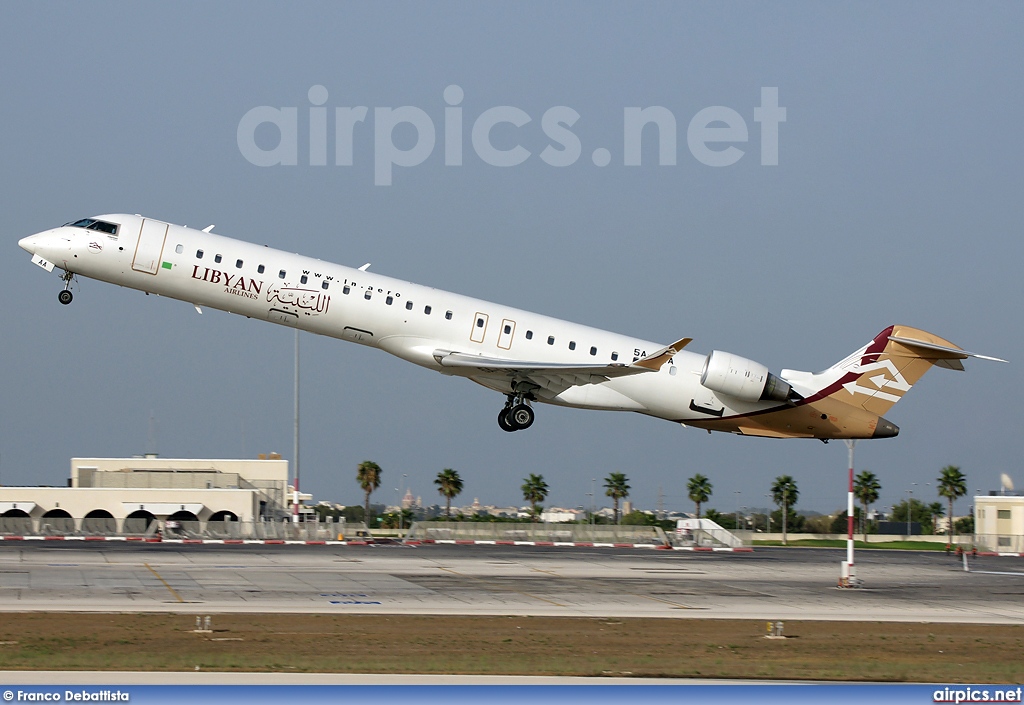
pixel 398 506
pixel 928 484
pixel 910 504
pixel 593 499
pixel 401 509
pixel 737 493
pixel 768 511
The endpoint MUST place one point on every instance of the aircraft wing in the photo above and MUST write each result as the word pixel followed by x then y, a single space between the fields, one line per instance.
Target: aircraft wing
pixel 552 375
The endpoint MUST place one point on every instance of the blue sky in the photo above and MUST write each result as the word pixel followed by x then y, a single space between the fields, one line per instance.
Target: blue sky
pixel 896 199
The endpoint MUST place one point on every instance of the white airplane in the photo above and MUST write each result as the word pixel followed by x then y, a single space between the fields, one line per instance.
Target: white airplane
pixel 525 356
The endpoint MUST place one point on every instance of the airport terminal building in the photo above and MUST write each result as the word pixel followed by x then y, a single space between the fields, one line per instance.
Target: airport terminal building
pixel 139 496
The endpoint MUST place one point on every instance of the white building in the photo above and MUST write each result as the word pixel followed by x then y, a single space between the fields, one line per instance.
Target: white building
pixel 127 495
pixel 999 522
pixel 558 515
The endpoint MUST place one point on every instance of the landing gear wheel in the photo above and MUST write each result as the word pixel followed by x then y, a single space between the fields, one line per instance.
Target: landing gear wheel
pixel 521 416
pixel 65 297
pixel 503 421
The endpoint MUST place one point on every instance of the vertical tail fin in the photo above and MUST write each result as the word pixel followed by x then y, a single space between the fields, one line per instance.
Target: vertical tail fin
pixel 880 373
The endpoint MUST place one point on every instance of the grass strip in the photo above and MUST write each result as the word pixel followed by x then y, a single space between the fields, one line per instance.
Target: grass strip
pixel 848 651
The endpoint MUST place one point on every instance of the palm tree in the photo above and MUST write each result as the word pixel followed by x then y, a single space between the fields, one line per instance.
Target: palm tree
pixel 535 491
pixel 866 487
pixel 935 511
pixel 952 484
pixel 368 476
pixel 784 494
pixel 616 486
pixel 449 484
pixel 699 488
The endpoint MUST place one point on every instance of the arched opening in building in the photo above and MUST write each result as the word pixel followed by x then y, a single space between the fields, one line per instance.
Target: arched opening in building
pixel 182 523
pixel 99 522
pixel 15 522
pixel 223 524
pixel 56 522
pixel 139 522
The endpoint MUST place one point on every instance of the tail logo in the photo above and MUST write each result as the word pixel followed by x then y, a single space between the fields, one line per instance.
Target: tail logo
pixel 897 383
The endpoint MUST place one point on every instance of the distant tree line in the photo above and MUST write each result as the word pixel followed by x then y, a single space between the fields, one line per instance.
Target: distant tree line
pixel 784 493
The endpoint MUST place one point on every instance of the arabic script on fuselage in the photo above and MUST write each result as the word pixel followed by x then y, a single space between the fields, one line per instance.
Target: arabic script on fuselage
pixel 309 300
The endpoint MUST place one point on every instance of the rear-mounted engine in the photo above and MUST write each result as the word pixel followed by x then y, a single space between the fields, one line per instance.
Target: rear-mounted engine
pixel 744 379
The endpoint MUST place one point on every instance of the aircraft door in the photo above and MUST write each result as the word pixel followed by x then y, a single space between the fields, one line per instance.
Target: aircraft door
pixel 150 247
pixel 508 331
pixel 479 328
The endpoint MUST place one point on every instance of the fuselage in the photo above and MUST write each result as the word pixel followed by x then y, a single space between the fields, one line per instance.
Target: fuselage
pixel 408 320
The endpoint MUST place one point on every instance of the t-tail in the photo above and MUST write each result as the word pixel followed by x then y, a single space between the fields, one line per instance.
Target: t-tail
pixel 878 375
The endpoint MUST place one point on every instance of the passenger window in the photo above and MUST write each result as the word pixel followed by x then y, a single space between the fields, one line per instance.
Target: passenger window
pixel 408 305
pixel 593 351
pixel 572 344
pixel 389 300
pixel 179 249
pixel 508 329
pixel 479 323
pixel 303 279
pixel 238 264
pixel 551 340
pixel 529 335
pixel 615 356
pixel 281 274
pixel 261 269
pixel 368 294
pixel 448 316
pixel 324 285
pixel 199 254
pixel 426 310
pixel 672 370
pixel 217 258
pixel 346 290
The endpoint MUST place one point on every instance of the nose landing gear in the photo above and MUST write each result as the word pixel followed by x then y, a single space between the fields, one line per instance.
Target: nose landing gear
pixel 66 296
pixel 516 415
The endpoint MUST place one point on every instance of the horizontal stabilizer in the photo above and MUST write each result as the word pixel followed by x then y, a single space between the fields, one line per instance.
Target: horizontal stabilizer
pixel 946 352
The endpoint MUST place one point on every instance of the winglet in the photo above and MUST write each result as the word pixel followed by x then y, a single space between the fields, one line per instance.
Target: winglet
pixel 655 360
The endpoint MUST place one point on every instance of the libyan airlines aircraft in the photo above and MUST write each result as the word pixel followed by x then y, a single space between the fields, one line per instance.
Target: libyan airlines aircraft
pixel 525 356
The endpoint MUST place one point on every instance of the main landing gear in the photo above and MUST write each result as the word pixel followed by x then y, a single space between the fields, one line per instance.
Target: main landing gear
pixel 66 296
pixel 516 414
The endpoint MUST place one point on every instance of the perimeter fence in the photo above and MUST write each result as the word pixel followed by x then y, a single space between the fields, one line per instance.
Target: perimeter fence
pixel 535 532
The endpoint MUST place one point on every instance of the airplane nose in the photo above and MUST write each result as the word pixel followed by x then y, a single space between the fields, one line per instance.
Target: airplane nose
pixel 28 244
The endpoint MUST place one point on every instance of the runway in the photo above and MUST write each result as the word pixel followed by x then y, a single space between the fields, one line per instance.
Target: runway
pixel 768 584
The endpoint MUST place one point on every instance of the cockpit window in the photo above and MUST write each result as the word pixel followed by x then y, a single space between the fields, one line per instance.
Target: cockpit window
pixel 108 228
pixel 93 224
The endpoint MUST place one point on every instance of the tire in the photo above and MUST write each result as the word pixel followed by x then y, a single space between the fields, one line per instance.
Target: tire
pixel 503 421
pixel 65 297
pixel 521 416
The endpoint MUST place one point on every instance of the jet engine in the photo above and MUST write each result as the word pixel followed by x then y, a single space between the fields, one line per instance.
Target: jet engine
pixel 741 378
